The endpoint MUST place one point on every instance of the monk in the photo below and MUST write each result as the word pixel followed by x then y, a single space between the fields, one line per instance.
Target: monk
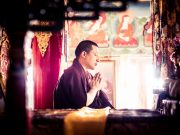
pixel 77 87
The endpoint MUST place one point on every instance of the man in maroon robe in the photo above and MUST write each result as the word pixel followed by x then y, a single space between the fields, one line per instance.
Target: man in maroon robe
pixel 76 87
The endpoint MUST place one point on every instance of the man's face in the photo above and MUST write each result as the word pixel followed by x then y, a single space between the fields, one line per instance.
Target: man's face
pixel 92 59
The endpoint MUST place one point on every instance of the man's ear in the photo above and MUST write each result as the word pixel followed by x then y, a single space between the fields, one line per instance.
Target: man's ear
pixel 83 54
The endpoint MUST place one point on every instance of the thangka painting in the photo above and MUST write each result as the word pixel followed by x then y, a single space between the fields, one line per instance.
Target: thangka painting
pixel 107 69
pixel 115 33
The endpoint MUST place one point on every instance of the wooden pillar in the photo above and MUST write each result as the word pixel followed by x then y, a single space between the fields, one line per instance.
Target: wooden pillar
pixel 15 111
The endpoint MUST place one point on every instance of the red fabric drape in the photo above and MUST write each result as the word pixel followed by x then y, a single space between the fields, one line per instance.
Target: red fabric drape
pixel 46 71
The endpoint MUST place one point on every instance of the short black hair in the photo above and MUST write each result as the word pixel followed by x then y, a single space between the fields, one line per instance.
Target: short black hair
pixel 85 45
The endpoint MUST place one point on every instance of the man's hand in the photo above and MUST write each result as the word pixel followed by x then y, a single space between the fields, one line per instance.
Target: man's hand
pixel 96 82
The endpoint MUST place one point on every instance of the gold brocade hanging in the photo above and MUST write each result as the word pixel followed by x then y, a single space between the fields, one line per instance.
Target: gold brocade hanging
pixel 43 39
pixel 4 59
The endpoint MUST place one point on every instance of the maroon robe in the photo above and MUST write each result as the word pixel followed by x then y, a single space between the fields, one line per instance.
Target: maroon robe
pixel 72 88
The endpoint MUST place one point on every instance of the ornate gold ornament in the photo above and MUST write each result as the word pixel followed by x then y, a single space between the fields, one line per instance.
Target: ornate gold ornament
pixel 43 40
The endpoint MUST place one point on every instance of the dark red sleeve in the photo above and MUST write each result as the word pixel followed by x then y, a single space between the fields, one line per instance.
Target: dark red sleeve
pixel 75 84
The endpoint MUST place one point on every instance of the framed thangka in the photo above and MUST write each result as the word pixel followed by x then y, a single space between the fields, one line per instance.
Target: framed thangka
pixel 133 27
pixel 107 69
pixel 116 33
pixel 125 32
pixel 95 30
pixel 147 32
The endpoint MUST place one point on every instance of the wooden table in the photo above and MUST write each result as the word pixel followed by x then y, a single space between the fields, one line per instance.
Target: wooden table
pixel 119 122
